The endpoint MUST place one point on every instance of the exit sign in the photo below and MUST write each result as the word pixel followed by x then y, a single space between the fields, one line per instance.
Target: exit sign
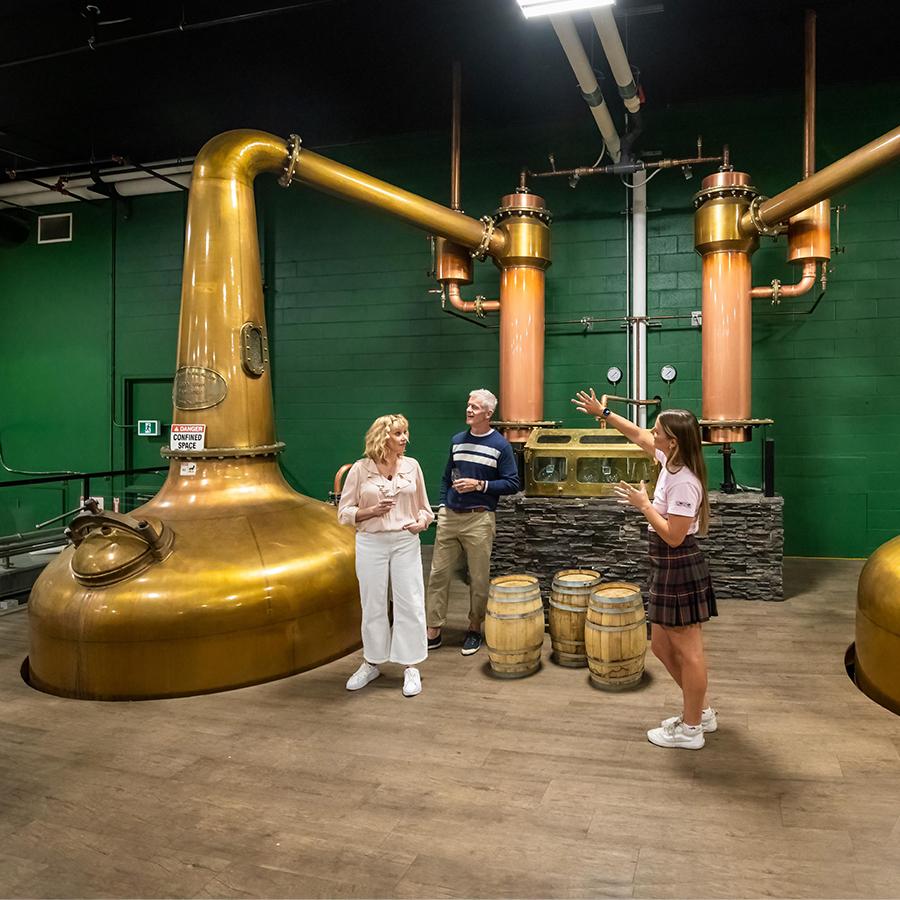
pixel 148 427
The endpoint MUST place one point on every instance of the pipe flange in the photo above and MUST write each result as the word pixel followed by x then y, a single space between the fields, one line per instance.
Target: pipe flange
pixel 508 212
pixel 481 251
pixel 293 147
pixel 758 224
pixel 224 452
pixel 479 306
pixel 725 193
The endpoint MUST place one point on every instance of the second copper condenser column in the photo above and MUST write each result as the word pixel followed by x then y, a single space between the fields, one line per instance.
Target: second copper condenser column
pixel 727 331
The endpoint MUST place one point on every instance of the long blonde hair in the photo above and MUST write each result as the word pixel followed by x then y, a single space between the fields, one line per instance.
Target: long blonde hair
pixel 682 425
pixel 379 432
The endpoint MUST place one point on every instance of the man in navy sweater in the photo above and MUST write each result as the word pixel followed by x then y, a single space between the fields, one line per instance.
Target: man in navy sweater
pixel 480 469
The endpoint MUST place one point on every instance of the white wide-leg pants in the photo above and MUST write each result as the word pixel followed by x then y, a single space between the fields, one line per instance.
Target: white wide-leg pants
pixel 394 555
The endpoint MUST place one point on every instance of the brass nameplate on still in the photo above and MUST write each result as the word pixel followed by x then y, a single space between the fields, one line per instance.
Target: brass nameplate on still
pixel 198 388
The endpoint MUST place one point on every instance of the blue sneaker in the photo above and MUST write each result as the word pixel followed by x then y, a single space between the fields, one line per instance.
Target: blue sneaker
pixel 434 643
pixel 472 643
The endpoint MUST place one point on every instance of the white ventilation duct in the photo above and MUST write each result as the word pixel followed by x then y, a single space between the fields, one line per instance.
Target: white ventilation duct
pixel 587 81
pixel 605 23
pixel 128 184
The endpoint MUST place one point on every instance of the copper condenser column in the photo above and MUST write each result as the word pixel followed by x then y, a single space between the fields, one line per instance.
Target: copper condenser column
pixel 527 223
pixel 725 249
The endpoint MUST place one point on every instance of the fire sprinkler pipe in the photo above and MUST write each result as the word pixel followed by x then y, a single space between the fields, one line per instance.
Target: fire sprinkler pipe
pixel 587 81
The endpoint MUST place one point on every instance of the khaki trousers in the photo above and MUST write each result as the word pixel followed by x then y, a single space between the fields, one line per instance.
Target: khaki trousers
pixel 460 536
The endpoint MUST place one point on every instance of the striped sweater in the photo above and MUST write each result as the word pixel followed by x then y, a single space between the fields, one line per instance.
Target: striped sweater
pixel 487 457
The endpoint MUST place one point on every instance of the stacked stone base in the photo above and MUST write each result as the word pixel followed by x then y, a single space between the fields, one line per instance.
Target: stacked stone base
pixel 542 535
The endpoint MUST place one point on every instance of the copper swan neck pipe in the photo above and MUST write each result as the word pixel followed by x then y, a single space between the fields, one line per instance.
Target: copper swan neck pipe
pixel 824 183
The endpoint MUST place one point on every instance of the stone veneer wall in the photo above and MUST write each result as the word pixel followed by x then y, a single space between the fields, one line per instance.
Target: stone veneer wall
pixel 542 535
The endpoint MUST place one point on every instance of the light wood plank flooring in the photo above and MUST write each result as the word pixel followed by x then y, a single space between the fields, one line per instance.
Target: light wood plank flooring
pixel 542 787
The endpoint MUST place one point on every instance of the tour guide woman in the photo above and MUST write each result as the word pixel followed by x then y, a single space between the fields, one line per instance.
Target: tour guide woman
pixel 384 497
pixel 681 592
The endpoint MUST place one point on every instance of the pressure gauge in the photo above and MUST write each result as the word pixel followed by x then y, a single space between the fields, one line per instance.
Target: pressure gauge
pixel 614 375
pixel 668 374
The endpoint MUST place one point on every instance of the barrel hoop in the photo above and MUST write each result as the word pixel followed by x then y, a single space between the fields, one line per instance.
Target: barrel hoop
pixel 618 628
pixel 530 615
pixel 618 662
pixel 523 599
pixel 617 612
pixel 508 651
pixel 556 605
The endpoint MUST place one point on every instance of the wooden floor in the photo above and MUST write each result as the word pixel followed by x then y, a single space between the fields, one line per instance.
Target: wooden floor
pixel 542 787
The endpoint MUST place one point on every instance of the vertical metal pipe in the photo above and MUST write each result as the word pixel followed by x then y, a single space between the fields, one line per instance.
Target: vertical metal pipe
pixel 455 137
pixel 521 347
pixel 639 296
pixel 809 94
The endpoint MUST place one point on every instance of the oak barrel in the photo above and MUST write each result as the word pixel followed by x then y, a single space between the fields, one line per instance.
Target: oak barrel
pixel 514 625
pixel 615 635
pixel 569 596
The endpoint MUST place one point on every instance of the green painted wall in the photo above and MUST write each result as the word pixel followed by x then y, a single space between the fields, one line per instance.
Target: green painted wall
pixel 355 333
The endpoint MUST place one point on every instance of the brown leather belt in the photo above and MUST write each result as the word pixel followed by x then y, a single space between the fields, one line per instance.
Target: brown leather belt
pixel 469 509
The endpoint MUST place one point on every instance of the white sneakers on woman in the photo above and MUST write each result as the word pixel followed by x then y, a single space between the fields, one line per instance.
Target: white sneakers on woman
pixel 412 680
pixel 677 734
pixel 707 719
pixel 362 676
pixel 673 732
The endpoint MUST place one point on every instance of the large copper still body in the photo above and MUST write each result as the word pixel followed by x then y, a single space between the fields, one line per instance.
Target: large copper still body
pixel 228 577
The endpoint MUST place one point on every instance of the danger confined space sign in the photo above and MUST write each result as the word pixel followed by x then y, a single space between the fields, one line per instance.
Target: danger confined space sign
pixel 187 437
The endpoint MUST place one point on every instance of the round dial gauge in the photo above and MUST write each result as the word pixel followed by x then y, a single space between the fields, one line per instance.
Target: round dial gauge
pixel 668 374
pixel 614 375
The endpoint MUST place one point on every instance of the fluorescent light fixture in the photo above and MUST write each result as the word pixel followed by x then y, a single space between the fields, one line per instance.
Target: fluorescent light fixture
pixel 532 8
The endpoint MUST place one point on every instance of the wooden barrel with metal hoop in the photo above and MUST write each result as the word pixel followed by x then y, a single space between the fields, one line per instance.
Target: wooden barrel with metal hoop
pixel 514 625
pixel 569 596
pixel 615 635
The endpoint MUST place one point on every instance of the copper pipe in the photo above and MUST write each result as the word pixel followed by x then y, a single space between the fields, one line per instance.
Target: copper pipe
pixel 479 305
pixel 777 290
pixel 809 95
pixel 339 475
pixel 521 347
pixel 455 137
pixel 825 183
pixel 350 184
pixel 726 338
pixel 621 168
pixel 654 402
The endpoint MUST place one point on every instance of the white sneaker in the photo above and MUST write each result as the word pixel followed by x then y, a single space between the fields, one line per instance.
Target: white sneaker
pixel 677 735
pixel 707 719
pixel 412 682
pixel 362 676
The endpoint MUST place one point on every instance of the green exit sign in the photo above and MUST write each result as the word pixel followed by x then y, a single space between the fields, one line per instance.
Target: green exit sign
pixel 148 427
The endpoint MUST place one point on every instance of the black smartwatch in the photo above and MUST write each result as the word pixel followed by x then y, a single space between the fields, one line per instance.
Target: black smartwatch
pixel 606 412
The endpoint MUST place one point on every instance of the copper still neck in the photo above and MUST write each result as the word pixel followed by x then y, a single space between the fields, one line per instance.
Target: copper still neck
pixel 223 379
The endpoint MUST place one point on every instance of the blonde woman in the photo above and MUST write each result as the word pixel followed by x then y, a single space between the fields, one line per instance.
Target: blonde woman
pixel 384 498
pixel 681 592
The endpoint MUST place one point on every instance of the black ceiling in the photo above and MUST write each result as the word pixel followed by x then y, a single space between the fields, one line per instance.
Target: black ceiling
pixel 164 76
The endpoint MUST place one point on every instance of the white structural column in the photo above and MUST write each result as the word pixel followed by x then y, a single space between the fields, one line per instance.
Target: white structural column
pixel 638 330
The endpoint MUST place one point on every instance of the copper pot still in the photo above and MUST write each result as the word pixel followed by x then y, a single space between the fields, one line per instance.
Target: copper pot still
pixel 227 577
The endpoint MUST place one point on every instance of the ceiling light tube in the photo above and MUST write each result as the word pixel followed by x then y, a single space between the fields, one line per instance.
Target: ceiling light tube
pixel 532 8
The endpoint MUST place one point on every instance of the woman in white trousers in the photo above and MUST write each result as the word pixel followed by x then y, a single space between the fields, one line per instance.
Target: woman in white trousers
pixel 384 498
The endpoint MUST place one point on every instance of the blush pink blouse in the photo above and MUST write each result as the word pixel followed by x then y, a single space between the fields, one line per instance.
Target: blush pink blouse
pixel 365 486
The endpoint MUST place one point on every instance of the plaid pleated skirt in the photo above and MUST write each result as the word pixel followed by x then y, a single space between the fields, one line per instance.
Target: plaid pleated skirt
pixel 681 591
